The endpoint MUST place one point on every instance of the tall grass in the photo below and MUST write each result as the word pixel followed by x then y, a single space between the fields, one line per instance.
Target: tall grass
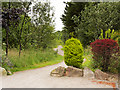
pixel 33 58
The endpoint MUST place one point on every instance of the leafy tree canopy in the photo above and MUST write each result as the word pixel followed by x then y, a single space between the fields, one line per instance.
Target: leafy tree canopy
pixel 96 17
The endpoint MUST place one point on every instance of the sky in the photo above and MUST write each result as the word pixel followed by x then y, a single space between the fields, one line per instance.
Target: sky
pixel 59 7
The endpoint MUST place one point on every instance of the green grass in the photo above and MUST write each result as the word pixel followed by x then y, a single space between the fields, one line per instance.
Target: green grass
pixel 58 59
pixel 88 57
pixel 31 59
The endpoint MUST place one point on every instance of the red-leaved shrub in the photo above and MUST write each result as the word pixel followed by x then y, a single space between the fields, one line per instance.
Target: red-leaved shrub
pixel 105 54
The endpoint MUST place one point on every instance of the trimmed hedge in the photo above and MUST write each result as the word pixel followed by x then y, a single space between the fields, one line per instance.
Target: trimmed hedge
pixel 73 53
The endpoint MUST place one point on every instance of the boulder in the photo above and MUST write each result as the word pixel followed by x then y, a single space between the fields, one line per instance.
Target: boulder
pixel 88 73
pixel 58 72
pixel 3 72
pixel 101 75
pixel 74 72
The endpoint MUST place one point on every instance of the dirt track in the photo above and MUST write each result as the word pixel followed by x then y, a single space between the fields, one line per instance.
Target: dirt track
pixel 40 78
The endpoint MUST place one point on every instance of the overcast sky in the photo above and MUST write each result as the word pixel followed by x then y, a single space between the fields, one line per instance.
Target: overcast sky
pixel 59 7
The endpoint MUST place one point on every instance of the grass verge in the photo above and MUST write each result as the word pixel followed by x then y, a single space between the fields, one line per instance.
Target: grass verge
pixel 57 60
pixel 30 59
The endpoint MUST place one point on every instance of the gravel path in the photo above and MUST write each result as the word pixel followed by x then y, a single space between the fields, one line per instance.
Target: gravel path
pixel 40 78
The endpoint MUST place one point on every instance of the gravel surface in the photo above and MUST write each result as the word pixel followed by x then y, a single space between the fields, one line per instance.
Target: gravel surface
pixel 40 78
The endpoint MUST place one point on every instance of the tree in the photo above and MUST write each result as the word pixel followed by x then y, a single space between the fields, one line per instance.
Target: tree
pixel 11 12
pixel 7 14
pixel 25 31
pixel 71 9
pixel 96 17
pixel 21 29
pixel 43 20
pixel 65 35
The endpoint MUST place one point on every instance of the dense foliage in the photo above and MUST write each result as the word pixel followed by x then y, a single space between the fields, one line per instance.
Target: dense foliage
pixel 43 18
pixel 73 53
pixel 105 54
pixel 27 28
pixel 71 9
pixel 23 30
pixel 11 13
pixel 96 17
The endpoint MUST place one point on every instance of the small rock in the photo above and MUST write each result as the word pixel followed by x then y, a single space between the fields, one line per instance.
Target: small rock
pixel 3 72
pixel 58 72
pixel 88 73
pixel 112 78
pixel 74 72
pixel 101 75
pixel 9 73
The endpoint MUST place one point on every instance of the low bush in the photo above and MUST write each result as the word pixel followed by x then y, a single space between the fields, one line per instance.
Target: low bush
pixel 73 53
pixel 105 54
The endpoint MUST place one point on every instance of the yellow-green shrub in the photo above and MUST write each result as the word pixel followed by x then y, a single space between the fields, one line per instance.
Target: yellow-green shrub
pixel 73 53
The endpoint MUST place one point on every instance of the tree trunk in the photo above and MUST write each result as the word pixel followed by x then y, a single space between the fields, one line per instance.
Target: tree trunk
pixel 20 46
pixel 7 31
pixel 7 40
